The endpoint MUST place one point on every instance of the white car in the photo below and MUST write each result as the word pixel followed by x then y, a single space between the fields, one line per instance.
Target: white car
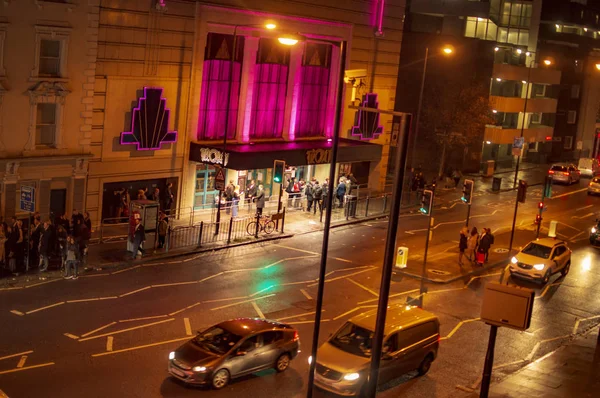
pixel 594 187
pixel 565 173
pixel 540 259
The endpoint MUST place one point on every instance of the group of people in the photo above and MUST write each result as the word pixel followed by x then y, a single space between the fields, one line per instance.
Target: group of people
pixel 253 194
pixel 474 246
pixel 165 200
pixel 25 246
pixel 316 194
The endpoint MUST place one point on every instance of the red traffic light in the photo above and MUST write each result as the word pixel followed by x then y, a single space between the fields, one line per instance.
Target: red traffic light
pixel 541 205
pixel 538 219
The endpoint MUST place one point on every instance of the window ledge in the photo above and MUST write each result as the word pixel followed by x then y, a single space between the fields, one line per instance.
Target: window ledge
pixel 49 79
pixel 69 4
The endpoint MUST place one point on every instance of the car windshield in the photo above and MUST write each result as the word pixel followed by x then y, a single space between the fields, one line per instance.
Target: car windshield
pixel 559 168
pixel 217 340
pixel 353 339
pixel 533 249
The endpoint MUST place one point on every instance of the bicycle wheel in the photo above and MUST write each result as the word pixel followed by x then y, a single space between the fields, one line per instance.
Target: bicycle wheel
pixel 269 226
pixel 251 228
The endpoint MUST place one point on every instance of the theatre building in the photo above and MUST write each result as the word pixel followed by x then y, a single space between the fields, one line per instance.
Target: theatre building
pixel 166 93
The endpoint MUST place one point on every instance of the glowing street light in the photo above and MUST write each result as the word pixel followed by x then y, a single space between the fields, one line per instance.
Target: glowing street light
pixel 598 66
pixel 547 62
pixel 270 26
pixel 288 41
pixel 448 50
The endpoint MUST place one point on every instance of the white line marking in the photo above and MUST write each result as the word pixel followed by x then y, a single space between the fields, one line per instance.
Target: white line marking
pixel 109 343
pixel 305 293
pixel 297 316
pixel 136 291
pixel 45 308
pixel 186 308
pixel 567 225
pixel 344 276
pixel 175 284
pixel 141 319
pixel 99 329
pixel 585 207
pixel 575 236
pixel 341 259
pixel 261 291
pixel 188 327
pixel 391 296
pixel 210 277
pixel 364 287
pixel 19 313
pixel 26 368
pixel 71 336
pixel 241 302
pixel 567 194
pixel 127 330
pixel 582 217
pixel 140 347
pixel 92 299
pixel 125 270
pixel 22 361
pixel 16 355
pixel 258 311
pixel 305 322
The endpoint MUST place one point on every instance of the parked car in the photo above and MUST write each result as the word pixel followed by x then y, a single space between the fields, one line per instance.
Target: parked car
pixel 589 167
pixel 411 340
pixel 594 186
pixel 232 349
pixel 540 259
pixel 565 173
pixel 595 234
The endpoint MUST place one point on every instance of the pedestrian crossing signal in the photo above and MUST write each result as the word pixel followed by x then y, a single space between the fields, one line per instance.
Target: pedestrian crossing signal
pixel 426 202
pixel 467 191
pixel 278 169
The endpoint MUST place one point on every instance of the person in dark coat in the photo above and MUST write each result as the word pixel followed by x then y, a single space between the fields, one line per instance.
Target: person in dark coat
pixel 310 198
pixel 44 246
pixel 169 198
pixel 250 194
pixel 34 242
pixel 260 200
pixel 486 242
pixel 341 191
pixel 462 244
pixel 139 236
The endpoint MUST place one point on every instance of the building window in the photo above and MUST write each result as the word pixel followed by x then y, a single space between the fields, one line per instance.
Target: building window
pixel 270 87
pixel 481 28
pixel 571 117
pixel 216 81
pixel 568 142
pixel 538 90
pixel 536 118
pixel 532 147
pixel 45 125
pixel 314 90
pixel 51 51
pixel 575 91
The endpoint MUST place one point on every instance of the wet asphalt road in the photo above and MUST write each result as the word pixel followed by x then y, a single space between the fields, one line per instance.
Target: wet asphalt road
pixel 108 335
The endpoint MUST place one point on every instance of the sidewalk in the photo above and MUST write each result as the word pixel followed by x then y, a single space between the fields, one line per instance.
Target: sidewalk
pixel 571 371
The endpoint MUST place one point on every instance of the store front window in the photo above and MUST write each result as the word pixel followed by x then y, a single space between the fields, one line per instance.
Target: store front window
pixel 205 192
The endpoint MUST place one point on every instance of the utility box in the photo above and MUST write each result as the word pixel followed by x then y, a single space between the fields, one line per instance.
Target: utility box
pixel 496 184
pixel 552 229
pixel 509 306
pixel 489 168
pixel 401 257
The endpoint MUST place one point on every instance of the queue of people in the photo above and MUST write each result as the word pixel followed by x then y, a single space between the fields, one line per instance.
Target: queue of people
pixel 123 198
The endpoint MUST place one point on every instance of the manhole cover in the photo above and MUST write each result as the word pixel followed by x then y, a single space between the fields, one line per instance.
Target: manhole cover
pixel 501 250
pixel 438 272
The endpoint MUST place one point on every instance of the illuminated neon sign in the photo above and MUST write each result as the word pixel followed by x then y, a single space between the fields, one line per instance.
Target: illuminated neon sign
pixel 367 123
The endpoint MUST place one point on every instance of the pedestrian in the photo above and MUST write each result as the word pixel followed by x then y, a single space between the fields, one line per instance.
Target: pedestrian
pixel 169 198
pixel 139 236
pixel 472 244
pixel 308 191
pixel 340 192
pixel 44 246
pixel 485 242
pixel 61 238
pixel 229 196
pixel 72 258
pixel 260 200
pixel 163 227
pixel 250 194
pixel 85 233
pixel 456 177
pixel 297 192
pixel 317 196
pixel 235 200
pixel 141 195
pixel 462 244
pixel 155 195
pixel 325 195
pixel 35 233
pixel 3 238
pixel 20 248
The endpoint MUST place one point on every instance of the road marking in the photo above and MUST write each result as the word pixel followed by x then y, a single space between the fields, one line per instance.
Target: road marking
pixel 481 276
pixel 16 355
pixel 19 313
pixel 305 322
pixel 43 283
pixel 572 238
pixel 22 361
pixel 92 299
pixel 567 194
pixel 127 330
pixel 363 287
pixel 210 277
pixel 10 288
pixel 136 291
pixel 538 344
pixel 140 347
pixel 283 260
pixel 71 336
pixel 45 308
pixel 576 326
pixel 299 250
pixel 109 343
pixel 343 277
pixel 547 288
pixel 125 270
pixel 26 368
pixel 585 207
pixel 258 311
pixel 93 276
pixel 342 259
pixel 305 293
pixel 297 316
pixel 242 302
pixel 142 319
pixel 186 308
pixel 582 217
pixel 262 290
pixel 188 327
pixel 458 327
pixel 175 284
pixel 224 299
pixel 99 329
pixel 391 296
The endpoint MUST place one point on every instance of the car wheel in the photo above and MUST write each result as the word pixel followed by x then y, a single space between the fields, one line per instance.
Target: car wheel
pixel 565 270
pixel 283 362
pixel 425 365
pixel 220 379
pixel 546 278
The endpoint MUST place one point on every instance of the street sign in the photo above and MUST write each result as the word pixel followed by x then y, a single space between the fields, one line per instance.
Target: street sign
pixel 220 179
pixel 402 257
pixel 517 148
pixel 27 202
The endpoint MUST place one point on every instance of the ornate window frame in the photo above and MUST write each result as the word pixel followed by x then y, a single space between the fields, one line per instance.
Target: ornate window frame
pixel 58 33
pixel 47 92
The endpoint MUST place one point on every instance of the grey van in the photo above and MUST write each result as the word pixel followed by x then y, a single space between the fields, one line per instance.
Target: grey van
pixel 411 342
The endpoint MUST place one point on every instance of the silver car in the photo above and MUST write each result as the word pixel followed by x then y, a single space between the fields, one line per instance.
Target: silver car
pixel 594 187
pixel 540 259
pixel 565 173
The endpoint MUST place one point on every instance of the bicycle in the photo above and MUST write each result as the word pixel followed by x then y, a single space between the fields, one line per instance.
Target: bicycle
pixel 265 225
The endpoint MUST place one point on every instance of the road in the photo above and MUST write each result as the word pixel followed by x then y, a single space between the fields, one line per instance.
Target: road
pixel 108 334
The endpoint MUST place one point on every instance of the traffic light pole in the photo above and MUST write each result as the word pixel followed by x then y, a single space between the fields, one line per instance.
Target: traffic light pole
pixel 427 238
pixel 512 231
pixel 539 224
pixel 468 214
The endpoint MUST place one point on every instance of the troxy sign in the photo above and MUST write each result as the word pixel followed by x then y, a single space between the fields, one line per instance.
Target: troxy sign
pixel 214 156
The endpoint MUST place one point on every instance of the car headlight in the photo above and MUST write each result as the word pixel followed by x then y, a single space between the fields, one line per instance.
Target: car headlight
pixel 594 230
pixel 351 376
pixel 310 359
pixel 539 267
pixel 199 369
pixel 172 355
pixel 514 260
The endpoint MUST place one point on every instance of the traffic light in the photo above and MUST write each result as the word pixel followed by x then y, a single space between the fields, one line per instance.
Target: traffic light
pixel 278 169
pixel 541 206
pixel 548 187
pixel 426 202
pixel 538 219
pixel 522 191
pixel 467 191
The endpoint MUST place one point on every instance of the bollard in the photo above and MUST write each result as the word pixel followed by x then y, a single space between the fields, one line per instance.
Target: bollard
pixel 229 232
pixel 257 225
pixel 283 220
pixel 200 233
pixel 367 208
